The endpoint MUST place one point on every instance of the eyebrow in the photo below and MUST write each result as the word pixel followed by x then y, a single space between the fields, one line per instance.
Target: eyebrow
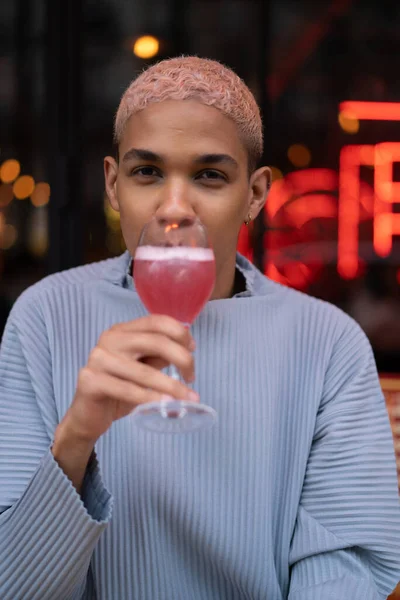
pixel 215 159
pixel 139 154
pixel 204 159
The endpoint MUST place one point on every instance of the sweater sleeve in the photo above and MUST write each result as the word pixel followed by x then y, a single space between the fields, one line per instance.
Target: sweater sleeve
pixel 346 542
pixel 47 531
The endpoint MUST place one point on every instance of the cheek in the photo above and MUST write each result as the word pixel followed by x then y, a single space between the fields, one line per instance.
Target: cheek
pixel 133 216
pixel 135 206
pixel 226 203
pixel 224 232
pixel 225 213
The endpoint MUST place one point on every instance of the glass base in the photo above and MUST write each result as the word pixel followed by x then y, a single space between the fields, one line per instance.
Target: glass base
pixel 174 416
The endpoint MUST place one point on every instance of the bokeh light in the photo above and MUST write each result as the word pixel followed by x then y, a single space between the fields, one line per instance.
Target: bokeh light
pixel 276 173
pixel 8 236
pixel 9 170
pixel 38 233
pixel 23 187
pixel 41 194
pixel 299 155
pixel 147 46
pixel 38 246
pixel 348 122
pixel 6 194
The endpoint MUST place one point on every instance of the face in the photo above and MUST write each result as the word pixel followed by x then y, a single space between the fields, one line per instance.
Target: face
pixel 179 160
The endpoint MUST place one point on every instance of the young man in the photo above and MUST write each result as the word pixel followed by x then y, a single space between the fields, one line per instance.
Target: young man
pixel 293 494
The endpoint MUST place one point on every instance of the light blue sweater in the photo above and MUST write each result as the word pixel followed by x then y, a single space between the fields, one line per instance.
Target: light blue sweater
pixel 293 494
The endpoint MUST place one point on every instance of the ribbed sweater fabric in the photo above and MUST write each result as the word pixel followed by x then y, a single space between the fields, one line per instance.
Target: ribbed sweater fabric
pixel 292 495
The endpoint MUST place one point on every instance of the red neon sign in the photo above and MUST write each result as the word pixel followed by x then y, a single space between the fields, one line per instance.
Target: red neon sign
pixel 351 158
pixel 371 111
pixel 386 224
pixel 308 196
pixel 293 205
pixel 387 192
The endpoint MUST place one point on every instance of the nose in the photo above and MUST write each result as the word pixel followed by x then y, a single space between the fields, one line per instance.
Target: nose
pixel 175 205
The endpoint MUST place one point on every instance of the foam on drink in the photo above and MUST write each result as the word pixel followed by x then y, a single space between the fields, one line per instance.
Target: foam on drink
pixel 174 252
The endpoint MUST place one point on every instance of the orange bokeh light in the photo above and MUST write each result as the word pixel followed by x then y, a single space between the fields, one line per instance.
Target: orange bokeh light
pixel 299 155
pixel 6 194
pixel 23 187
pixel 8 236
pixel 348 122
pixel 276 173
pixel 41 194
pixel 9 170
pixel 146 46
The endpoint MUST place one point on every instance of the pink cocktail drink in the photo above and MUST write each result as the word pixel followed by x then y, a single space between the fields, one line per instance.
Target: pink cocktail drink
pixel 175 281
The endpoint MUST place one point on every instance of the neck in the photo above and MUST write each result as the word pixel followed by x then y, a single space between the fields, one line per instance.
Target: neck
pixel 225 282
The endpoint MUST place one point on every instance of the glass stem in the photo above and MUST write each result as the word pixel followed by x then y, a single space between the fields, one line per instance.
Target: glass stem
pixel 174 373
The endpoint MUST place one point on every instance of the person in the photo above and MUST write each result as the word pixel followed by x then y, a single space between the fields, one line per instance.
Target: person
pixel 291 495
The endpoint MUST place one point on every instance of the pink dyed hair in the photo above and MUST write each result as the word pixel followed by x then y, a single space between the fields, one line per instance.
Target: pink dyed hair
pixel 201 79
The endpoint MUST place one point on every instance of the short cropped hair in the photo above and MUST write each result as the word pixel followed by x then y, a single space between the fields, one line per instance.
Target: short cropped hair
pixel 201 79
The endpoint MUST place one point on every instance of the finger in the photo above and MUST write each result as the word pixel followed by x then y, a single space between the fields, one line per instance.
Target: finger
pixel 151 345
pixel 104 386
pixel 156 363
pixel 161 324
pixel 171 352
pixel 140 374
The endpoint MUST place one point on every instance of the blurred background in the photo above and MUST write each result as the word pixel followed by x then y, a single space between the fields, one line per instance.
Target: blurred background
pixel 326 77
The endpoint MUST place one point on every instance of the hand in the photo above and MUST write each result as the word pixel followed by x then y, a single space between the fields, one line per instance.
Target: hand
pixel 124 370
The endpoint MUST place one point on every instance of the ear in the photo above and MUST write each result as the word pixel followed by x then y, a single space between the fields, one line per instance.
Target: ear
pixel 110 178
pixel 260 183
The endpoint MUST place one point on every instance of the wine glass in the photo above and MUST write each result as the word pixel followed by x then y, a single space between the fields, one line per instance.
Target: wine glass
pixel 174 275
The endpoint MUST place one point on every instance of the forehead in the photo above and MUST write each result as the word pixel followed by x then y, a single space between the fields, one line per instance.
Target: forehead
pixel 184 127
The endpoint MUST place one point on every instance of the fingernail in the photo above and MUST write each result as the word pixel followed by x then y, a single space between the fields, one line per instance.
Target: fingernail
pixel 194 397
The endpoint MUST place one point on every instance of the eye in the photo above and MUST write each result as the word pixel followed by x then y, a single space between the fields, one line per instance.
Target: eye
pixel 211 175
pixel 146 171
